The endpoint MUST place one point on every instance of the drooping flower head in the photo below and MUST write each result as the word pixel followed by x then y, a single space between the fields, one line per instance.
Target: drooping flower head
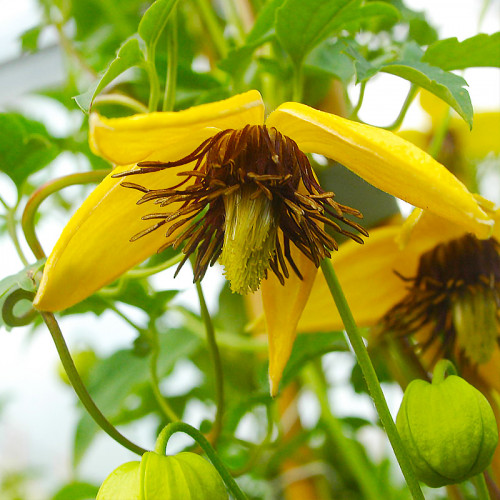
pixel 453 301
pixel 245 184
pixel 240 189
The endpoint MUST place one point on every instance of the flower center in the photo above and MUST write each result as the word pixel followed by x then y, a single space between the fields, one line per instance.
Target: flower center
pixel 455 294
pixel 244 186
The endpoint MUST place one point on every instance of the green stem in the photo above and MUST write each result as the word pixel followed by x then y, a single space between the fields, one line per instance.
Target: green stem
pixel 79 387
pixel 355 111
pixel 154 83
pixel 122 100
pixel 259 449
pixel 347 450
pixel 28 219
pixel 370 376
pixel 216 360
pixel 212 24
pixel 481 487
pixel 7 313
pixel 144 272
pixel 439 135
pixel 166 433
pixel 10 221
pixel 153 370
pixel 439 372
pixel 298 82
pixel 409 99
pixel 172 52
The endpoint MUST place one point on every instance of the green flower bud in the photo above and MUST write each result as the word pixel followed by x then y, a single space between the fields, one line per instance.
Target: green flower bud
pixel 448 428
pixel 186 475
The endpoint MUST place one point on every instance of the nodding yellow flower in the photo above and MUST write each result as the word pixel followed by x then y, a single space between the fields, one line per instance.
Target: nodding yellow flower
pixel 221 180
pixel 440 287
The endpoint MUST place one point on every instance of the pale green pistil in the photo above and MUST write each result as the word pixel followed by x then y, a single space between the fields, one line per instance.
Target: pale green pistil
pixel 475 320
pixel 249 239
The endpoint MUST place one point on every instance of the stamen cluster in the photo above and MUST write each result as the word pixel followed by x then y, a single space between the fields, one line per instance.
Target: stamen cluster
pixel 253 178
pixel 455 298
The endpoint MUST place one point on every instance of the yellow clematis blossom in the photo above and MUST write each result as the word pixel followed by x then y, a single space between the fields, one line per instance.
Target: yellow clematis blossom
pixel 239 189
pixel 429 279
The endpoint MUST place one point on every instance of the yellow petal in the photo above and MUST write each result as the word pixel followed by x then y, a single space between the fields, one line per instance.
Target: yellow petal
pixel 283 306
pixel 132 139
pixel 483 139
pixel 94 248
pixel 384 160
pixel 437 109
pixel 366 274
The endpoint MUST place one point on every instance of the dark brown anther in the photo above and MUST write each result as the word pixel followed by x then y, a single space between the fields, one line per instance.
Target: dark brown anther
pixel 268 170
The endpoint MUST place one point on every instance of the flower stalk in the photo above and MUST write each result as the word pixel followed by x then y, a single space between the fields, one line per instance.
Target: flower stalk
pixel 170 429
pixel 80 389
pixel 370 376
pixel 43 192
pixel 216 360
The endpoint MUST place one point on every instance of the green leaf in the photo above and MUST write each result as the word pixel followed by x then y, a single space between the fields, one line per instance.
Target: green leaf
pixel 301 25
pixel 364 69
pixel 445 85
pixel 330 58
pixel 264 24
pixel 77 491
pixel 356 13
pixel 128 56
pixel 25 147
pixel 479 51
pixel 27 280
pixel 154 20
pixel 29 39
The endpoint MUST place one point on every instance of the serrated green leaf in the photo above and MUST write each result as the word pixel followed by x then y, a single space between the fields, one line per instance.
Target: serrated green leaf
pixel 364 69
pixel 154 20
pixel 447 86
pixel 478 51
pixel 301 25
pixel 129 55
pixel 25 147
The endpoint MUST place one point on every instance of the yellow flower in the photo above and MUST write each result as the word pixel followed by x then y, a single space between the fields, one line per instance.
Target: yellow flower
pixel 433 281
pixel 185 155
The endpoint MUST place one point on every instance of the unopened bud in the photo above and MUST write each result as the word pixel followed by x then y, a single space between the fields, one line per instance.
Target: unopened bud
pixel 449 430
pixel 186 475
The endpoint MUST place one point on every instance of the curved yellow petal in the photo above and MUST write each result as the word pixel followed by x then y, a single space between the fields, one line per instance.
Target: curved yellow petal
pixel 384 160
pixel 367 275
pixel 132 139
pixel 94 248
pixel 283 306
